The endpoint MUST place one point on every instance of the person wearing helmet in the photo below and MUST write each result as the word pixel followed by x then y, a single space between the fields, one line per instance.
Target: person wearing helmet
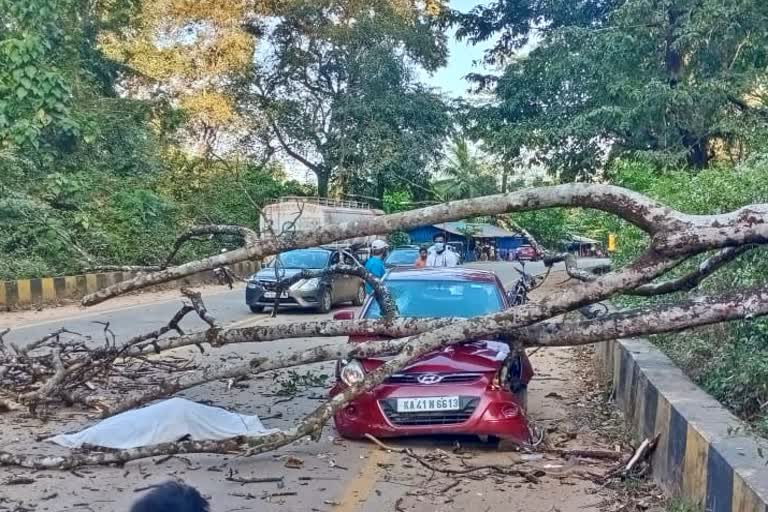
pixel 439 256
pixel 375 264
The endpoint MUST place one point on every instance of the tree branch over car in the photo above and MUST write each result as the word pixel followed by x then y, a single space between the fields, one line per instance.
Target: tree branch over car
pixel 674 239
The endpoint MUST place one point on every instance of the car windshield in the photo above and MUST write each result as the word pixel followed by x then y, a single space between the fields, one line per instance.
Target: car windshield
pixel 437 299
pixel 403 257
pixel 302 258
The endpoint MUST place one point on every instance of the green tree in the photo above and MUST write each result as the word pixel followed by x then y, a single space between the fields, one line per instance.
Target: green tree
pixel 674 80
pixel 338 95
pixel 187 52
pixel 464 174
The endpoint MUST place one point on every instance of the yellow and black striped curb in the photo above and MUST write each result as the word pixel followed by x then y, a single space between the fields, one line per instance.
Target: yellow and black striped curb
pixel 49 290
pixel 705 453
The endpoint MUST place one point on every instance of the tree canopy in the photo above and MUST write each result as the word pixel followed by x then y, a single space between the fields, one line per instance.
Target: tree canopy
pixel 676 81
pixel 337 92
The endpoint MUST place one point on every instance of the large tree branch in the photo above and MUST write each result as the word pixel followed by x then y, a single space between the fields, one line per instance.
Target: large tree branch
pixel 572 266
pixel 635 208
pixel 511 225
pixel 124 268
pixel 316 168
pixel 698 312
pixel 249 236
pixel 692 279
pixel 450 333
pixel 701 311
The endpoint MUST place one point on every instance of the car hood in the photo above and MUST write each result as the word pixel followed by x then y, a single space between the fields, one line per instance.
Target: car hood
pixel 268 274
pixel 474 357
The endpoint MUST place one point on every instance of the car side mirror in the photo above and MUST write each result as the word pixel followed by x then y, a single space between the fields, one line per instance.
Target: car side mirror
pixel 346 314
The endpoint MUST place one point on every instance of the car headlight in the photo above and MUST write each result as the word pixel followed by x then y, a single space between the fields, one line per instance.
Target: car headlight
pixel 310 283
pixel 352 373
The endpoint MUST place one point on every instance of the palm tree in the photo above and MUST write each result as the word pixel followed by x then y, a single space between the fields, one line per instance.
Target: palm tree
pixel 464 174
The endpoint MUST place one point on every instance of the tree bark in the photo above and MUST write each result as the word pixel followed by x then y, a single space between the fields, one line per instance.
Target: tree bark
pixel 323 182
pixel 675 237
pixel 658 221
pixel 702 311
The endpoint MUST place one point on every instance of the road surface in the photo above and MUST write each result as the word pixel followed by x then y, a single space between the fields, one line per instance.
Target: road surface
pixel 227 306
pixel 336 475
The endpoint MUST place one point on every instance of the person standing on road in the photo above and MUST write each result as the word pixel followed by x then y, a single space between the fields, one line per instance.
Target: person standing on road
pixel 441 257
pixel 375 264
pixel 421 261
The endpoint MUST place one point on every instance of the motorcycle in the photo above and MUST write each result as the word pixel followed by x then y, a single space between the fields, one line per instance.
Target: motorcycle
pixel 518 295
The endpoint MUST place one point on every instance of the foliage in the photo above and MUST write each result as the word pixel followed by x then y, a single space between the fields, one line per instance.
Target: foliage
pixel 337 92
pixel 396 201
pixel 464 174
pixel 71 222
pixel 549 227
pixel 729 361
pixel 682 505
pixel 57 93
pixel 293 382
pixel 187 52
pixel 92 174
pixel 398 238
pixel 677 82
pixel 232 192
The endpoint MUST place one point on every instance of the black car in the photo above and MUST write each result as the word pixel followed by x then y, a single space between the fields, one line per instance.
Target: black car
pixel 316 293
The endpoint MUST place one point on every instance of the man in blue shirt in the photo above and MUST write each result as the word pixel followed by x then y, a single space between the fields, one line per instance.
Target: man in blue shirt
pixel 375 264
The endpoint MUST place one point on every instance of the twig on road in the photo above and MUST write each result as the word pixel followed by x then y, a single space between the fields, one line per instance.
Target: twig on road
pixel 531 476
pixel 233 477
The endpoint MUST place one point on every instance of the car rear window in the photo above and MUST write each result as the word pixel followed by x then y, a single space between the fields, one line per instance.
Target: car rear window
pixel 437 299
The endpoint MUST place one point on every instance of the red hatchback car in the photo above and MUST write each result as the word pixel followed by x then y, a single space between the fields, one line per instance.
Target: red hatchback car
pixel 473 388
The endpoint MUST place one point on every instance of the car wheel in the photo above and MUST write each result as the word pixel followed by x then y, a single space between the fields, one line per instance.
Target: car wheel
pixel 257 309
pixel 325 302
pixel 360 297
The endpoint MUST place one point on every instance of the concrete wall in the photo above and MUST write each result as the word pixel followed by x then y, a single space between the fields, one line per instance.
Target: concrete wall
pixel 52 290
pixel 705 453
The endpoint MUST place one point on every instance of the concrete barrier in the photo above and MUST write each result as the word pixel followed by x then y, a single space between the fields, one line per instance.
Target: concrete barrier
pixel 705 453
pixel 53 290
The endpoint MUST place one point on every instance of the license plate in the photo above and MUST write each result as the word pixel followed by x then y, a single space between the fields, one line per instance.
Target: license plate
pixel 271 295
pixel 428 404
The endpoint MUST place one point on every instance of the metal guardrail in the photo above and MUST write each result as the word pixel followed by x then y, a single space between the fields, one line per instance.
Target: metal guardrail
pixel 326 201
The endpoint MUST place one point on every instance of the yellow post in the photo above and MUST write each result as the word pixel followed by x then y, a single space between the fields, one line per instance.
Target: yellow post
pixel 611 242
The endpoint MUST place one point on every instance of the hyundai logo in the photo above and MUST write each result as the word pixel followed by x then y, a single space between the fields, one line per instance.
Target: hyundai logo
pixel 429 378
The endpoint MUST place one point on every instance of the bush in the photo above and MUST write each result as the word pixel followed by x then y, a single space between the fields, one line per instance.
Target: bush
pixel 729 361
pixel 66 222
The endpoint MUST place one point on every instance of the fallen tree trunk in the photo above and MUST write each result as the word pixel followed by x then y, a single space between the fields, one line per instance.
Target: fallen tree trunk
pixel 674 233
pixel 674 239
pixel 645 321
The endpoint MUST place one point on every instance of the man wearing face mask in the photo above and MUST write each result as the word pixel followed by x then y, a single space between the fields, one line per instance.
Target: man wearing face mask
pixel 440 255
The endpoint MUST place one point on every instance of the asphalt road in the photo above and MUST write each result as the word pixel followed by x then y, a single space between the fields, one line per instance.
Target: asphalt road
pixel 228 307
pixel 336 475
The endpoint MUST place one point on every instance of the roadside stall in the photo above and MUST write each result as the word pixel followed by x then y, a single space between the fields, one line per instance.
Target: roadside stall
pixel 473 240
